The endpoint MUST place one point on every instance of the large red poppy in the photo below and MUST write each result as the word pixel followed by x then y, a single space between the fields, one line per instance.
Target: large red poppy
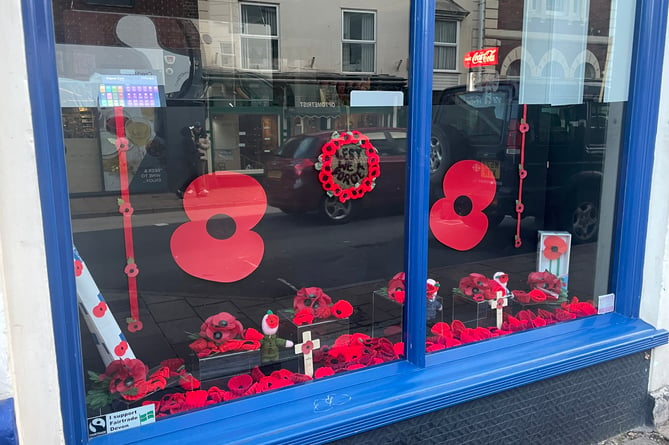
pixel 463 228
pixel 342 309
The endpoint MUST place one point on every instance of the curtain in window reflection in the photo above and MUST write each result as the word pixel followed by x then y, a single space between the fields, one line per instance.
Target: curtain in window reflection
pixel 259 20
pixel 445 41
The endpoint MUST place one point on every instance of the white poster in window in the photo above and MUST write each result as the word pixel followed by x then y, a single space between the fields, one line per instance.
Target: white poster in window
pixel 619 55
pixel 555 34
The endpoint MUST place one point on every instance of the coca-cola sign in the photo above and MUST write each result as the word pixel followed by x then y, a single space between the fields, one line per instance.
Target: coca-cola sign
pixel 481 57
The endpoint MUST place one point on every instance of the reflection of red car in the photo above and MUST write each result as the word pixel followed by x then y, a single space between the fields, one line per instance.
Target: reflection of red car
pixel 291 180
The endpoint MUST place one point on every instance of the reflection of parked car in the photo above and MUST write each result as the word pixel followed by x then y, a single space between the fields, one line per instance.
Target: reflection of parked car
pixel 291 181
pixel 564 152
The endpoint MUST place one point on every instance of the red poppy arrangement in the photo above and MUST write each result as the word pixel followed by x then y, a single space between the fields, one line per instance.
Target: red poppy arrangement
pixel 446 336
pixel 238 386
pixel 478 287
pixel 545 287
pixel 355 169
pixel 396 289
pixel 352 351
pixel 311 303
pixel 130 380
pixel 224 333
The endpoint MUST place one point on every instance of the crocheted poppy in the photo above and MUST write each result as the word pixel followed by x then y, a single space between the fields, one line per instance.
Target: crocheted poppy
pixel 311 297
pixel 240 383
pixel 188 382
pixel 124 374
pixel 221 328
pixel 342 309
pixel 304 316
pixel 476 286
pixel 323 372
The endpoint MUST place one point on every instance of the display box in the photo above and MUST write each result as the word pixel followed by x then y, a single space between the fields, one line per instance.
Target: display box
pixel 387 315
pixel 227 364
pixel 326 330
pixel 553 251
pixel 471 312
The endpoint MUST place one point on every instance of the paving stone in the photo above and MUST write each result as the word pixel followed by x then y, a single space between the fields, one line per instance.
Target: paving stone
pixel 176 331
pixel 171 310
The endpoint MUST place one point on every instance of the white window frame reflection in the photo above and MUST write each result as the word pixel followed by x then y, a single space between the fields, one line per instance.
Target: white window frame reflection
pixel 441 44
pixel 362 42
pixel 246 37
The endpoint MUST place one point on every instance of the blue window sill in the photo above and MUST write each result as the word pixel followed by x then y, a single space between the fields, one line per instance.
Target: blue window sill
pixel 386 394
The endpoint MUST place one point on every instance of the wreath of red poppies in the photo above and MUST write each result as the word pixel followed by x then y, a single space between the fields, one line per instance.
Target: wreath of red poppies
pixel 332 178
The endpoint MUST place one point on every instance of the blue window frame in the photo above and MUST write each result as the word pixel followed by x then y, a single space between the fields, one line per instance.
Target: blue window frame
pixel 418 384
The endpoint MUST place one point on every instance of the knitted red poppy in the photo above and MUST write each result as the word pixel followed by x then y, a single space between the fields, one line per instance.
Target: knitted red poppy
pixel 323 372
pixel 304 316
pixel 240 383
pixel 342 309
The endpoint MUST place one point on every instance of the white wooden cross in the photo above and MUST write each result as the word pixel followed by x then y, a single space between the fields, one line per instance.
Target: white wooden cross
pixel 499 303
pixel 306 348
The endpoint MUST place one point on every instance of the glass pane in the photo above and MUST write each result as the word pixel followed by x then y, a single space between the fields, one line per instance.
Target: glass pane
pixel 445 31
pixel 445 57
pixel 358 26
pixel 259 20
pixel 523 164
pixel 211 184
pixel 260 54
pixel 358 57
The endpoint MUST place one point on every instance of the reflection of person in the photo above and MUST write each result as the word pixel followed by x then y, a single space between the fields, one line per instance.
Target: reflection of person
pixel 196 146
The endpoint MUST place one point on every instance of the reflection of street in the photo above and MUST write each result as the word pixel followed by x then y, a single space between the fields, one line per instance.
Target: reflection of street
pixel 302 251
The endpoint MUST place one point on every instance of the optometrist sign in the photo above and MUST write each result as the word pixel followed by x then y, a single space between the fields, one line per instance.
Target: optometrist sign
pixel 481 57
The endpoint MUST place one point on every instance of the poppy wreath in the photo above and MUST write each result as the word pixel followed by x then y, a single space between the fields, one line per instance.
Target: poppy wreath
pixel 130 380
pixel 224 333
pixel 356 166
pixel 312 303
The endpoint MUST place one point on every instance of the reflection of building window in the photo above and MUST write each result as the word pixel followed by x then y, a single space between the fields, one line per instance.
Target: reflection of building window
pixel 445 44
pixel 260 37
pixel 358 41
pixel 556 6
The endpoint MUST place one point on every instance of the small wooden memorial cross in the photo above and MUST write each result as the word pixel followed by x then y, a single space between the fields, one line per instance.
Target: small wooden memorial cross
pixel 306 348
pixel 499 304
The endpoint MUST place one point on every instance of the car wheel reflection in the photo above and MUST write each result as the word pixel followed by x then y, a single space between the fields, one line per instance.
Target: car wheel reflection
pixel 439 154
pixel 335 211
pixel 584 220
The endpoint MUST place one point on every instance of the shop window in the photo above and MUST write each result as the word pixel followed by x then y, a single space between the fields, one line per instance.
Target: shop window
pixel 272 253
pixel 260 37
pixel 358 41
pixel 446 45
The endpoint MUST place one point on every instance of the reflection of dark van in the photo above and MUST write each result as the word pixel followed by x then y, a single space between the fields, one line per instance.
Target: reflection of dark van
pixel 564 151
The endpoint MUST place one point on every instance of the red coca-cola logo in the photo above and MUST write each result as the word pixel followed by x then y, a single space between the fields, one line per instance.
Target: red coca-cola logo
pixel 481 57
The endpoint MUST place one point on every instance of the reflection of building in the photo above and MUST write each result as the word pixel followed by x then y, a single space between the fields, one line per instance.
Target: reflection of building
pixel 264 73
pixel 505 30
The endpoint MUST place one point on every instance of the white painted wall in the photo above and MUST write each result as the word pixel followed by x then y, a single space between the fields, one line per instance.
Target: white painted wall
pixel 27 356
pixel 655 291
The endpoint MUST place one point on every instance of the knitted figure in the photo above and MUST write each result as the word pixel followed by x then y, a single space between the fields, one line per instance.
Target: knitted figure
pixel 433 305
pixel 270 343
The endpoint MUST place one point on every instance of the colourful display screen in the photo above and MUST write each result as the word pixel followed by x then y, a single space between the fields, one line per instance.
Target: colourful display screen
pixel 129 91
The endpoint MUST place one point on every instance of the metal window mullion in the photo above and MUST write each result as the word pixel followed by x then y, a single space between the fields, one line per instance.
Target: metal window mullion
pixel 421 54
